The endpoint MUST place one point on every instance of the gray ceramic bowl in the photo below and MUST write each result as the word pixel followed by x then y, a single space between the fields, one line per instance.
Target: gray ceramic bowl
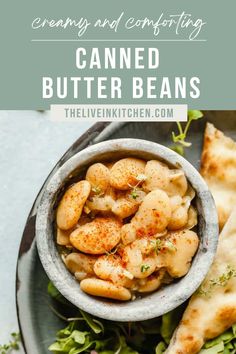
pixel 156 303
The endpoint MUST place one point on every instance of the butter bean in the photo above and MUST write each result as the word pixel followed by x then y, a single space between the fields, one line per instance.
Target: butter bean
pixel 151 283
pixel 177 261
pixel 110 268
pixel 71 205
pixel 138 259
pixel 63 237
pixel 126 205
pixel 124 173
pixel 178 184
pixel 104 288
pixel 98 176
pixel 128 234
pixel 181 214
pixel 98 236
pixel 102 204
pixel 153 214
pixel 179 218
pixel 157 176
pixel 192 218
pixel 80 263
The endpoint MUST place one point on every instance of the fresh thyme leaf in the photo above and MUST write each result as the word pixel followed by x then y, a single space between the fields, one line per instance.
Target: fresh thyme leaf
pixel 160 244
pixel 12 345
pixel 170 246
pixel 96 190
pixel 134 194
pixel 134 191
pixel 203 292
pixel 179 139
pixel 222 280
pixel 144 267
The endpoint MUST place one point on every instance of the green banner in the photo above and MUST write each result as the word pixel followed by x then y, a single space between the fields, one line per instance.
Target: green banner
pixel 124 52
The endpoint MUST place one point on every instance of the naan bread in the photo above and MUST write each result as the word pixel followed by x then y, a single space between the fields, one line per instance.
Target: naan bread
pixel 218 167
pixel 212 309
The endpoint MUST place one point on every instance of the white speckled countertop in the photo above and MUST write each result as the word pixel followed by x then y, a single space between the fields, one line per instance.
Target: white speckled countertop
pixel 30 145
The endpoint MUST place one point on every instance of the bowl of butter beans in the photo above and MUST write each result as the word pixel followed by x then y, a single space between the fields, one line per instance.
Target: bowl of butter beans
pixel 126 229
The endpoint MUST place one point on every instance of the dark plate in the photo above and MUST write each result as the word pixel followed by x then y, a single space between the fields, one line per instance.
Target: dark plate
pixel 37 322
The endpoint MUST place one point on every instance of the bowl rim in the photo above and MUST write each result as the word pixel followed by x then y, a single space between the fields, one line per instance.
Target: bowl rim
pixel 156 303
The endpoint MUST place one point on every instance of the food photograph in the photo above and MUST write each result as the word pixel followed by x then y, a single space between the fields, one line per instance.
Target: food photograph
pixel 118 177
pixel 130 244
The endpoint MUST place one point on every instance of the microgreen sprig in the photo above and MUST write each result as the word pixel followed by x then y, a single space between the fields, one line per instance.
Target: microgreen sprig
pixel 179 139
pixel 86 334
pixel 134 191
pixel 12 345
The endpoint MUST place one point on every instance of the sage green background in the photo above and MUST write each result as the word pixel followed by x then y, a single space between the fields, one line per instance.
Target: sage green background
pixel 23 63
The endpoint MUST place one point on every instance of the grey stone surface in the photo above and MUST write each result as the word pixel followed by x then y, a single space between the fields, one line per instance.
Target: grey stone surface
pixel 30 145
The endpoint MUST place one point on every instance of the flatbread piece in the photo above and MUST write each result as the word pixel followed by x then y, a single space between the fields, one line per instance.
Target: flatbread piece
pixel 218 167
pixel 212 309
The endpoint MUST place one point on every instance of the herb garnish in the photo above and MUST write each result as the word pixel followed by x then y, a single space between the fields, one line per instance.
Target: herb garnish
pixel 160 244
pixel 144 267
pixel 12 345
pixel 86 334
pixel 179 140
pixel 111 252
pixel 134 191
pixel 134 194
pixel 222 281
pixel 170 246
pixel 97 190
